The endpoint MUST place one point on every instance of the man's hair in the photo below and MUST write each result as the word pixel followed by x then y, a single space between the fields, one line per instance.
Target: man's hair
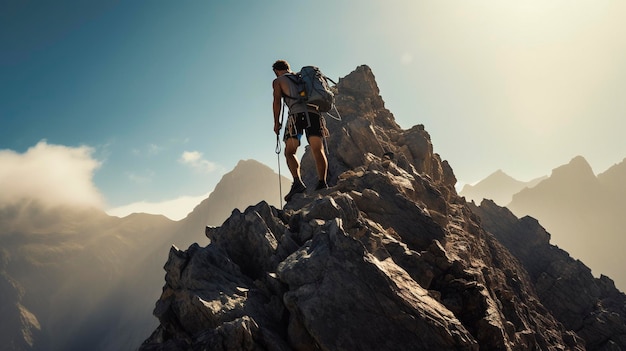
pixel 281 65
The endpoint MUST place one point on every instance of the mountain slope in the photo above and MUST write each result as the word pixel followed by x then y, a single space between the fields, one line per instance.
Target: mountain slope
pixel 573 183
pixel 388 258
pixel 249 182
pixel 614 179
pixel 69 262
pixel 582 212
pixel 593 307
pixel 498 187
pixel 19 328
pixel 75 279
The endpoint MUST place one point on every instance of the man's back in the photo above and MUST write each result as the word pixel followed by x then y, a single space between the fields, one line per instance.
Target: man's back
pixel 291 93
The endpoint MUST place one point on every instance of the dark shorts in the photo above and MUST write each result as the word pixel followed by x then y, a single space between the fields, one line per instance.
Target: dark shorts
pixel 298 124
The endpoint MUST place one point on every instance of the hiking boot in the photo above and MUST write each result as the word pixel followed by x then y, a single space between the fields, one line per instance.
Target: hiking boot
pixel 296 187
pixel 321 185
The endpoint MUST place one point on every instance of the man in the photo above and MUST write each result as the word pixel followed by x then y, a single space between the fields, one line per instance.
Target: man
pixel 302 118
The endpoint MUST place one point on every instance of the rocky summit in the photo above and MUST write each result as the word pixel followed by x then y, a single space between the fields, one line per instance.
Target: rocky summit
pixel 388 258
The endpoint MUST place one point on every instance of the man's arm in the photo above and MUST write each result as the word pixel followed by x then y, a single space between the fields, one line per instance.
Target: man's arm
pixel 278 95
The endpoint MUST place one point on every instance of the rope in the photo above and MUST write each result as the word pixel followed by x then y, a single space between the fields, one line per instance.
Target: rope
pixel 280 183
pixel 338 117
pixel 278 150
pixel 325 134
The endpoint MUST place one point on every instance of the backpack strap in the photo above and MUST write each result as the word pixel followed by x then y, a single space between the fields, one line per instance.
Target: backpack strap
pixel 294 80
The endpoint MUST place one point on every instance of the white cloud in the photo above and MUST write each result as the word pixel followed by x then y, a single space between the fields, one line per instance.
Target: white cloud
pixel 195 160
pixel 175 209
pixel 191 156
pixel 52 174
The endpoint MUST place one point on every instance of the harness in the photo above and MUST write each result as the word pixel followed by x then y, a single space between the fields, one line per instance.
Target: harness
pixel 290 128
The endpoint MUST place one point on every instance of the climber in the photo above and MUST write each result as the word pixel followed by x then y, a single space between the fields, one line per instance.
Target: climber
pixel 301 118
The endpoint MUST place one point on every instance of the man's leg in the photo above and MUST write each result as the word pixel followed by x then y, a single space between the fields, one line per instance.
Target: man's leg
pixel 291 146
pixel 321 163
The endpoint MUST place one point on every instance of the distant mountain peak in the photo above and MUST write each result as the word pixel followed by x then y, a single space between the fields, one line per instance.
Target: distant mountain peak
pixel 578 163
pixel 577 170
pixel 498 186
pixel 500 172
pixel 501 176
pixel 572 181
pixel 249 164
pixel 249 182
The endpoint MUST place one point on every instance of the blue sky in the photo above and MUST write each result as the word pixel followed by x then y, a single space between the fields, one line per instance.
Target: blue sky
pixel 147 102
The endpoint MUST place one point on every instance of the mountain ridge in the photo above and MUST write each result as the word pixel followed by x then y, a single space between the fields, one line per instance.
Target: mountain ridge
pixel 582 211
pixel 72 278
pixel 389 257
pixel 498 186
pixel 391 218
pixel 597 314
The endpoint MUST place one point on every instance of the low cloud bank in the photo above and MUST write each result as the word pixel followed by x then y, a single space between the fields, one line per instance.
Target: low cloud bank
pixel 175 209
pixel 51 174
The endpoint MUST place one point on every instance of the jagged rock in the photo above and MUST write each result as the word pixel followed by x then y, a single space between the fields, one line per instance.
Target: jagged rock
pixel 592 307
pixel 367 127
pixel 338 289
pixel 388 258
pixel 208 302
pixel 248 240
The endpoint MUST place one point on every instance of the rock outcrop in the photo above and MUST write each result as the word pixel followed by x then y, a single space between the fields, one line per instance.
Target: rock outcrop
pixel 388 258
pixel 248 183
pixel 592 307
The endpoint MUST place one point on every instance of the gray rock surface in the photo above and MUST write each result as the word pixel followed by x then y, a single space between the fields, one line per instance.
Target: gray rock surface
pixel 388 258
pixel 593 307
